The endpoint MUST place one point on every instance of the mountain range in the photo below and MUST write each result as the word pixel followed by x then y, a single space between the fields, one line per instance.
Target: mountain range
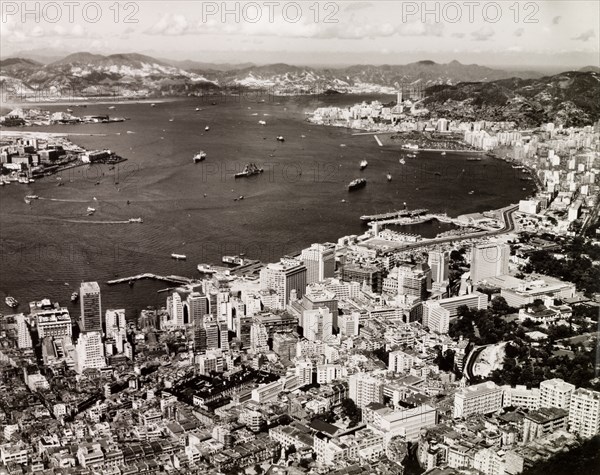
pixel 453 88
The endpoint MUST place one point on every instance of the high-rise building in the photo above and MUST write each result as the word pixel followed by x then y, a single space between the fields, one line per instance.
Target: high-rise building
pixel 483 398
pixel 212 331
pixel 319 260
pixel 436 317
pixel 473 300
pixel 408 279
pixel 53 322
pixel 116 327
pixel 284 345
pixel 317 324
pixel 439 262
pixel 584 412
pixel 282 278
pixel 244 324
pixel 489 260
pixel 304 371
pixel 23 333
pixel 367 274
pixel 197 307
pixel 89 352
pixel 175 310
pixel 365 389
pixel 259 337
pixel 348 324
pixel 401 361
pixel 556 393
pixel 91 307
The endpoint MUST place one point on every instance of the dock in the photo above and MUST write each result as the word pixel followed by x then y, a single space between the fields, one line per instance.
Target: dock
pixel 176 279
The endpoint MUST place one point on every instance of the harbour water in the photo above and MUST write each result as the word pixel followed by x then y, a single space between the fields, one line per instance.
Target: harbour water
pixel 189 208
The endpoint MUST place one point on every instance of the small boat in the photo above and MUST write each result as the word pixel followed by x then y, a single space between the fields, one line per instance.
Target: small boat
pixel 402 161
pixel 262 122
pixel 197 109
pixel 74 297
pixel 69 110
pixel 179 257
pixel 249 170
pixel 207 128
pixel 91 210
pixel 389 177
pixel 11 302
pixel 32 197
pixel 356 184
pixel 206 269
pixel 280 138
pixel 437 174
pixel 136 220
pixel 471 192
pixel 171 120
pixel 153 105
pixel 363 164
pixel 111 107
pixel 241 197
pixel 444 153
pixel 342 145
pixel 201 155
pixel 131 282
pixel 27 201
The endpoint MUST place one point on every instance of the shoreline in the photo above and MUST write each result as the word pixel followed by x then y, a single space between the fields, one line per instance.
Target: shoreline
pixel 87 101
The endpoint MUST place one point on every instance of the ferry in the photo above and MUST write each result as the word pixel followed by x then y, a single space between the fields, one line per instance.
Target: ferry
pixel 357 184
pixel 363 164
pixel 280 138
pixel 74 297
pixel 136 220
pixel 201 155
pixel 11 302
pixel 249 170
pixel 389 177
pixel 206 269
pixel 179 257
pixel 235 260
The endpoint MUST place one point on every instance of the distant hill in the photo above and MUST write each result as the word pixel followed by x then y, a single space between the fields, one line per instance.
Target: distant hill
pixel 569 98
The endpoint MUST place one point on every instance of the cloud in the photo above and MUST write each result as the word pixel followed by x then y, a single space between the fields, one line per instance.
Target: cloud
pixel 358 29
pixel 483 34
pixel 519 32
pixel 585 36
pixel 354 6
pixel 556 20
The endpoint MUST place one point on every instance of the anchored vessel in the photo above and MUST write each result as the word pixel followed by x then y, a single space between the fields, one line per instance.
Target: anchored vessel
pixel 201 155
pixel 389 177
pixel 179 257
pixel 236 260
pixel 206 269
pixel 363 164
pixel 357 184
pixel 11 302
pixel 74 297
pixel 280 138
pixel 249 170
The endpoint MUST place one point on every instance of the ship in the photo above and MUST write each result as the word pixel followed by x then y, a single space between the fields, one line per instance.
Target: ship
pixel 207 128
pixel 111 107
pixel 473 159
pixel 280 138
pixel 356 184
pixel 363 164
pixel 74 297
pixel 153 105
pixel 197 109
pixel 179 257
pixel 136 220
pixel 206 269
pixel 444 153
pixel 402 161
pixel 249 170
pixel 27 201
pixel 11 302
pixel 411 155
pixel 69 110
pixel 32 197
pixel 91 210
pixel 262 122
pixel 235 260
pixel 389 177
pixel 201 155
pixel 471 192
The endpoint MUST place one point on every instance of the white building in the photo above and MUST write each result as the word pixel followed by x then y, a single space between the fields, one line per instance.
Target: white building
pixel 489 260
pixel 318 324
pixel 365 389
pixel 584 412
pixel 556 393
pixel 24 336
pixel 89 352
pixel 319 260
pixel 481 398
pixel 283 277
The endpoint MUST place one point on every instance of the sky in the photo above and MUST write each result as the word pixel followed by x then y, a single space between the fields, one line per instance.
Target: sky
pixel 524 34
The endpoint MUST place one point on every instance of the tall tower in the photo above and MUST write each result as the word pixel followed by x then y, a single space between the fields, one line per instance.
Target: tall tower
pixel 91 307
pixel 489 260
pixel 319 260
pixel 439 262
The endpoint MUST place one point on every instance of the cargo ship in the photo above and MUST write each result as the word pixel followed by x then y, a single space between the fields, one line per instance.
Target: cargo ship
pixel 179 257
pixel 249 170
pixel 363 164
pixel 201 155
pixel 11 302
pixel 357 184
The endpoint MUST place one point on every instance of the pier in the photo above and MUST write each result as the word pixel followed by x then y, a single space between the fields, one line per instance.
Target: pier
pixel 176 279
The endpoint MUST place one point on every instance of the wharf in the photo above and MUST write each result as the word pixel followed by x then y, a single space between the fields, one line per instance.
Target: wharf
pixel 177 279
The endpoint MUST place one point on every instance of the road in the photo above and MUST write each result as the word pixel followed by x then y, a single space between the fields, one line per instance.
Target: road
pixel 509 226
